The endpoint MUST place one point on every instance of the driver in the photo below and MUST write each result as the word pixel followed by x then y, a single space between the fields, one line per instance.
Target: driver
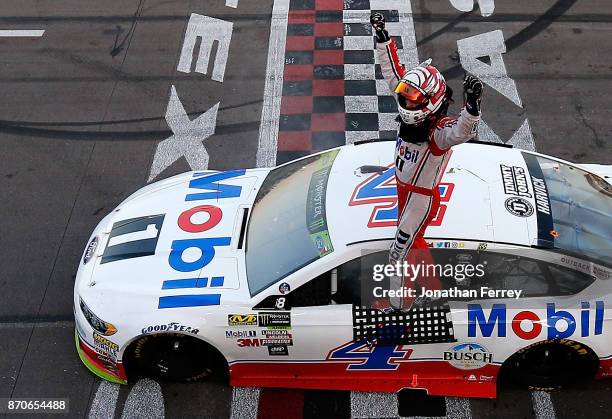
pixel 424 139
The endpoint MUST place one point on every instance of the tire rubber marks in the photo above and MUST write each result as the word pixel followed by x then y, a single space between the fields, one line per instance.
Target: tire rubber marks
pixel 188 135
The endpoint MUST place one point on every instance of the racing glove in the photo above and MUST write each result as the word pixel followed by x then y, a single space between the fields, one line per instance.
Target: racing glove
pixel 472 94
pixel 378 24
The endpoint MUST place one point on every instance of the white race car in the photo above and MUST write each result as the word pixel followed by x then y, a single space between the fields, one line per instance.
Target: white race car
pixel 267 276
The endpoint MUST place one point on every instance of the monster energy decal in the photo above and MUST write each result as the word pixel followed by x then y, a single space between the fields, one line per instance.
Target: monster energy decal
pixel 316 221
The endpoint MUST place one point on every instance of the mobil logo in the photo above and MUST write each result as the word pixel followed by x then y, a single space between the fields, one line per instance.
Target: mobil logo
pixel 528 325
pixel 206 189
pixel 380 191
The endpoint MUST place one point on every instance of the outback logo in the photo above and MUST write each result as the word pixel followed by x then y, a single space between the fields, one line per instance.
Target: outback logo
pixel 170 327
pixel 515 181
pixel 242 319
pixel 468 356
pixel 235 334
pixel 519 207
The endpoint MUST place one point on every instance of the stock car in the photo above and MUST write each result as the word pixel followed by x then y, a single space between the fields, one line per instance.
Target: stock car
pixel 265 277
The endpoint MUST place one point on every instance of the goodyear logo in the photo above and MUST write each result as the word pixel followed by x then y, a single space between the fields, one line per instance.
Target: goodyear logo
pixel 242 319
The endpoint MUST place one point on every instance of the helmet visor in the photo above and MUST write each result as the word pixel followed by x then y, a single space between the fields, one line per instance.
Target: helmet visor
pixel 414 98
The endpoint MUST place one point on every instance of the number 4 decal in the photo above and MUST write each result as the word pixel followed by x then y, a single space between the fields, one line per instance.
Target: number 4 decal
pixel 361 356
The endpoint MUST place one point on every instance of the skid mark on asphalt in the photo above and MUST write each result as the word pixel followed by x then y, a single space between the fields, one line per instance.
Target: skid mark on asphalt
pixel 105 401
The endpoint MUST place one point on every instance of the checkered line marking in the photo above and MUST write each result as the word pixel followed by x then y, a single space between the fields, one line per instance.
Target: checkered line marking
pixel 333 88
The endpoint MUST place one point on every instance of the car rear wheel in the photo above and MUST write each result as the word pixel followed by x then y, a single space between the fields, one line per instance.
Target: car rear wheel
pixel 174 357
pixel 552 364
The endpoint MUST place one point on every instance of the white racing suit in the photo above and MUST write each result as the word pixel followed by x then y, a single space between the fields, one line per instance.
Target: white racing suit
pixel 418 170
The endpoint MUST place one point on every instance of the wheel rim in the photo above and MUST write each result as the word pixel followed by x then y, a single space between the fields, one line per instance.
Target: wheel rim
pixel 549 361
pixel 177 358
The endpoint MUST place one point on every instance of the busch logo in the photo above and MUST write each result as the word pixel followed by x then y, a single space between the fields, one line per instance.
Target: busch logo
pixel 559 323
pixel 468 356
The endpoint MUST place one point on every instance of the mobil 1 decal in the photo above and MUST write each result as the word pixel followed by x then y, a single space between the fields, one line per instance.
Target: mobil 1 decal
pixel 546 230
pixel 133 238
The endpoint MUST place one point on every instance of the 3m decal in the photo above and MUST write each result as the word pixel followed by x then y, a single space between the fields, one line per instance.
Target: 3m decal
pixel 529 325
pixel 133 238
pixel 361 356
pixel 380 190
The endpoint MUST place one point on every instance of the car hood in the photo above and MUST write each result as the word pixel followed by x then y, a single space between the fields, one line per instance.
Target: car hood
pixel 175 238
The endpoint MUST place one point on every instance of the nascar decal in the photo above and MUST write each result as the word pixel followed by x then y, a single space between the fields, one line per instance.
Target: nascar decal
pixel 528 325
pixel 204 190
pixel 361 356
pixel 380 190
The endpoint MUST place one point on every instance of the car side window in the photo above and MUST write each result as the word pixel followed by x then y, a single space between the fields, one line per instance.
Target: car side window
pixel 341 285
pixel 536 278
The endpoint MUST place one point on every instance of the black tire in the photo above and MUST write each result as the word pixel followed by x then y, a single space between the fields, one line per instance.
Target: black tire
pixel 174 357
pixel 552 364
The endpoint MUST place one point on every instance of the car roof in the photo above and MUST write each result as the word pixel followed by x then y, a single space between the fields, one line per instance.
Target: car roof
pixel 361 207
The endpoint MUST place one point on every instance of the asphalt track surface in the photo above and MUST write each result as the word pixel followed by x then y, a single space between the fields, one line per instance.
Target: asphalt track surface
pixel 82 112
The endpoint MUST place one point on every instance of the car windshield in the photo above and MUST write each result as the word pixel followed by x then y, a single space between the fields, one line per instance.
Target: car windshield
pixel 581 207
pixel 288 226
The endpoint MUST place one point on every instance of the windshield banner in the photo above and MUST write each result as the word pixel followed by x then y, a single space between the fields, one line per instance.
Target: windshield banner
pixel 315 210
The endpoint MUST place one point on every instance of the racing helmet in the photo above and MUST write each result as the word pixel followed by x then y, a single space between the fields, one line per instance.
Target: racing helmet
pixel 420 93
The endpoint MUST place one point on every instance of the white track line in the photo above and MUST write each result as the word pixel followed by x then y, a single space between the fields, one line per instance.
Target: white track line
pixel 146 400
pixel 542 405
pixel 27 325
pixel 245 402
pixel 25 33
pixel 273 90
pixel 105 401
